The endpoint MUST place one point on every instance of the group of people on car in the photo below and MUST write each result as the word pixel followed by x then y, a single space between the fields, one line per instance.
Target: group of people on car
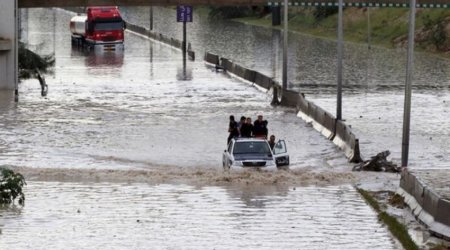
pixel 245 128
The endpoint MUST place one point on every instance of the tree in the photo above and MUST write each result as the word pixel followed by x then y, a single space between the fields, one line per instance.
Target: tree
pixel 31 63
pixel 11 184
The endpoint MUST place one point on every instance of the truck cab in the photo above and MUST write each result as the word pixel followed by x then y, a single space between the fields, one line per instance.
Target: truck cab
pixel 104 26
pixel 100 27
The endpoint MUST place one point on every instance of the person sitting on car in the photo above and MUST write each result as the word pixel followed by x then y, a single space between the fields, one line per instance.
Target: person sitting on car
pixel 247 128
pixel 260 128
pixel 232 129
pixel 240 123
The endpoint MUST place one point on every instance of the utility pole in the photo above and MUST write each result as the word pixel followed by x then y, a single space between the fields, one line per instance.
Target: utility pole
pixel 151 17
pixel 285 45
pixel 339 63
pixel 409 76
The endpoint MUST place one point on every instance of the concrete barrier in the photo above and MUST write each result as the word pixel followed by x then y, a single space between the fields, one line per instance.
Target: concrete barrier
pixel 212 58
pixel 176 43
pixel 161 38
pixel 302 105
pixel 191 55
pixel 323 121
pixel 347 141
pixel 426 205
pixel 263 80
pixel 238 70
pixel 326 120
pixel 443 212
pixel 250 75
pixel 227 64
pixel 290 98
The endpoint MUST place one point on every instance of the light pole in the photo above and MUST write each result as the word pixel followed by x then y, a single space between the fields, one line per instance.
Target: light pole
pixel 409 75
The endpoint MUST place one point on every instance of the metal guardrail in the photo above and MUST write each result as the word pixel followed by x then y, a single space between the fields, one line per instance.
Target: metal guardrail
pixel 348 3
pixel 376 4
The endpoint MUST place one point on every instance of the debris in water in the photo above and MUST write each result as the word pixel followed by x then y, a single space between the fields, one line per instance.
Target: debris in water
pixel 378 163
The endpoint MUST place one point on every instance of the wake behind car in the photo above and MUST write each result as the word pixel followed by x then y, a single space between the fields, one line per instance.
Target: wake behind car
pixel 254 153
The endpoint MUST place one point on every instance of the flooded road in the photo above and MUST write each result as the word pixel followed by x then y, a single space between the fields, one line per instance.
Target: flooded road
pixel 373 87
pixel 136 110
pixel 125 152
pixel 73 216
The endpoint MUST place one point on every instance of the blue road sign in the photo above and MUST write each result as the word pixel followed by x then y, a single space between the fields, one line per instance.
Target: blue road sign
pixel 184 13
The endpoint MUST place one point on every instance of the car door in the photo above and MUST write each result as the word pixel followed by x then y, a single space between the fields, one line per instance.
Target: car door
pixel 280 154
pixel 226 157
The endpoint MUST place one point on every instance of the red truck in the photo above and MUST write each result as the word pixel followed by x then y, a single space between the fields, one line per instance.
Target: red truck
pixel 101 27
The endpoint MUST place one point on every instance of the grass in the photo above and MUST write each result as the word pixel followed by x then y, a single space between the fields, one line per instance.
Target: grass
pixel 387 24
pixel 397 229
pixel 439 247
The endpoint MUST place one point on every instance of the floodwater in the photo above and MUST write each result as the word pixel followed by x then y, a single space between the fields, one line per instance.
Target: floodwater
pixel 139 216
pixel 373 87
pixel 125 152
pixel 136 108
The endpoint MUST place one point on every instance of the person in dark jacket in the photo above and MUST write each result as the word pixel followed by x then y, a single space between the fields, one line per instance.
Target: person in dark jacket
pixel 260 128
pixel 272 142
pixel 247 128
pixel 232 129
pixel 240 123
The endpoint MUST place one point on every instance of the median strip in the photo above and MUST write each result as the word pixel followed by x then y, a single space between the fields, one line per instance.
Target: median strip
pixel 396 228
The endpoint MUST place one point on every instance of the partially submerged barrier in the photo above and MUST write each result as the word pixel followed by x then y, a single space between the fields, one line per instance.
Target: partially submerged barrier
pixel 322 121
pixel 428 206
pixel 161 38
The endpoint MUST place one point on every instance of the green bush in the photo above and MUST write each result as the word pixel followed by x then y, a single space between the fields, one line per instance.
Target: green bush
pixel 322 12
pixel 11 185
pixel 229 12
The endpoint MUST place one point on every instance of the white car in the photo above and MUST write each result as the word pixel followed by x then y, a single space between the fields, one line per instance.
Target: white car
pixel 254 153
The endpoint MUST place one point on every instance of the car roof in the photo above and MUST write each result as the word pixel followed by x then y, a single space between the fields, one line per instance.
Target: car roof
pixel 247 139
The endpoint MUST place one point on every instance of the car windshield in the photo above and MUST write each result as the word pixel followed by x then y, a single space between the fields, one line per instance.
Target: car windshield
pixel 251 147
pixel 109 26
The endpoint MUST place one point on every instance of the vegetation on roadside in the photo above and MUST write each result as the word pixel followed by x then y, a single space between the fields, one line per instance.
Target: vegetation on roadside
pixel 396 228
pixel 388 26
pixel 11 187
pixel 440 247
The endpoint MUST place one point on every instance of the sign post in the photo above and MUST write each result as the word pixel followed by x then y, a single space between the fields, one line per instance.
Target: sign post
pixel 184 15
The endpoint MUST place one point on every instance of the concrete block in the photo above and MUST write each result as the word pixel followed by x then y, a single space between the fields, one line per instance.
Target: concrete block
pixel 263 80
pixel 347 141
pixel 407 182
pixel 249 75
pixel 227 64
pixel 152 34
pixel 290 98
pixel 430 201
pixel 164 39
pixel 303 105
pixel 329 123
pixel 325 122
pixel 238 70
pixel 443 212
pixel 175 43
pixel 212 58
pixel 419 192
pixel 191 55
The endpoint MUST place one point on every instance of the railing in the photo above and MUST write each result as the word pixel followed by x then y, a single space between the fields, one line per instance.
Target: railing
pixel 355 3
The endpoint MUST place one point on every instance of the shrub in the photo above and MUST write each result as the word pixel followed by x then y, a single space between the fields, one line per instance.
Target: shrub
pixel 11 185
pixel 229 12
pixel 322 12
